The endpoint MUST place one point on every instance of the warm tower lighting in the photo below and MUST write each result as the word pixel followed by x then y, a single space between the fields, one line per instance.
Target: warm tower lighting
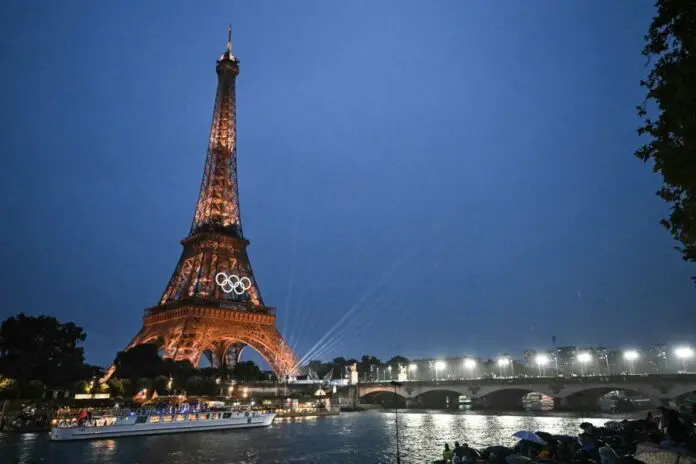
pixel 198 310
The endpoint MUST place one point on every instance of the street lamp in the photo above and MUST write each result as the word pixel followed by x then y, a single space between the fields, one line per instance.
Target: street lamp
pixel 412 368
pixel 503 363
pixel 389 369
pixel 583 358
pixel 684 353
pixel 630 356
pixel 542 360
pixel 439 366
pixel 469 364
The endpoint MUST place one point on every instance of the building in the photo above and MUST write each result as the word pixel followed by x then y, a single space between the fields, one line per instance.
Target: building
pixel 564 360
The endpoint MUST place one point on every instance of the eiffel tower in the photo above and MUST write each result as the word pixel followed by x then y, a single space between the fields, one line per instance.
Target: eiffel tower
pixel 212 305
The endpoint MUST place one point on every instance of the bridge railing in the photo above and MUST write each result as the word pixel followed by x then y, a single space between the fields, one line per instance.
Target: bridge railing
pixel 640 378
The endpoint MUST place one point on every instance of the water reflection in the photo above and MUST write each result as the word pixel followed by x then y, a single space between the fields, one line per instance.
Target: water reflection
pixel 347 439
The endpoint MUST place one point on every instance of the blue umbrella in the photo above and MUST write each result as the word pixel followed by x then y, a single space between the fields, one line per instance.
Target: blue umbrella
pixel 529 436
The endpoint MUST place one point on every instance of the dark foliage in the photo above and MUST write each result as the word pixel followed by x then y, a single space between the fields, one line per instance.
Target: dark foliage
pixel 247 371
pixel 42 349
pixel 144 361
pixel 671 48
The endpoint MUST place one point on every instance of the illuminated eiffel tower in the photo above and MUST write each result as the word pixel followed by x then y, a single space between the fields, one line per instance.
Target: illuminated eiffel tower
pixel 212 305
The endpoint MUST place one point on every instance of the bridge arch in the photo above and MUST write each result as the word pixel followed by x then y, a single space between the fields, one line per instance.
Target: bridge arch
pixel 508 396
pixel 597 391
pixel 682 392
pixel 385 397
pixel 588 397
pixel 442 397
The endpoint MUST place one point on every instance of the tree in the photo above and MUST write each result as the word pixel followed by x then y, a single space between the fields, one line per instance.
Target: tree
pixel 671 46
pixel 34 389
pixel 140 361
pixel 247 371
pixel 8 388
pixel 194 385
pixel 396 361
pixel 365 366
pixel 160 384
pixel 43 349
pixel 117 387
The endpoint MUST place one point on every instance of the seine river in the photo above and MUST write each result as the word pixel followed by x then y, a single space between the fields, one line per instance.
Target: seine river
pixel 363 437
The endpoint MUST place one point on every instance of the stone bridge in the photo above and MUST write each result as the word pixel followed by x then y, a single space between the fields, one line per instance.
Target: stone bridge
pixel 570 393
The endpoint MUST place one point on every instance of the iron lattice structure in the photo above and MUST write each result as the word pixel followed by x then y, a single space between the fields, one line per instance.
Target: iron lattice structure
pixel 195 316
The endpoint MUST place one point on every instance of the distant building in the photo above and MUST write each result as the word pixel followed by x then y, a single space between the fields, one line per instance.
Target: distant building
pixel 617 364
pixel 603 365
pixel 564 359
pixel 529 359
pixel 656 359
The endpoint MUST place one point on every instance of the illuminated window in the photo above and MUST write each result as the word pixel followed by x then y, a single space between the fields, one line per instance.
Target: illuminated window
pixel 202 417
pixel 154 419
pixel 167 419
pixel 180 418
pixel 192 417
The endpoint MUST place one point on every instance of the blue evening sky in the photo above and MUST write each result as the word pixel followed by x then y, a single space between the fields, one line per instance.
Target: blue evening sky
pixel 459 173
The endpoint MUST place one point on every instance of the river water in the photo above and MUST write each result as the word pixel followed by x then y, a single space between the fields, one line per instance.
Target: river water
pixel 351 438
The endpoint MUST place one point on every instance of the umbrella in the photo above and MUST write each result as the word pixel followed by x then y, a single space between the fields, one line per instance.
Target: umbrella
pixel 529 436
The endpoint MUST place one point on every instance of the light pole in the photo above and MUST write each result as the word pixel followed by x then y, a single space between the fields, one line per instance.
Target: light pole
pixel 439 366
pixel 396 419
pixel 412 368
pixel 630 356
pixel 542 360
pixel 684 353
pixel 503 364
pixel 390 374
pixel 583 358
pixel 470 364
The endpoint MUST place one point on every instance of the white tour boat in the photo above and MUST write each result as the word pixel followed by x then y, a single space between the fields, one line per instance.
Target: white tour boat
pixel 152 423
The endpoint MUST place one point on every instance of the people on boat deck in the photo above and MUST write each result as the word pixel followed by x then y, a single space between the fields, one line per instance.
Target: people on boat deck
pixel 447 454
pixel 82 417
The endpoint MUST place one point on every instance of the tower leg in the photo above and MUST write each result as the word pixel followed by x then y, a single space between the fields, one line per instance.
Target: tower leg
pixel 233 354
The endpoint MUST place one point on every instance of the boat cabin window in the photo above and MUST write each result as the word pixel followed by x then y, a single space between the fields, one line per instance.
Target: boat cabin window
pixel 226 415
pixel 166 419
pixel 180 418
pixel 203 416
pixel 154 419
pixel 192 417
pixel 141 420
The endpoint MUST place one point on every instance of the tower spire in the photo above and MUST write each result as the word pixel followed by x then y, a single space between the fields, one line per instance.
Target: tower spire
pixel 229 38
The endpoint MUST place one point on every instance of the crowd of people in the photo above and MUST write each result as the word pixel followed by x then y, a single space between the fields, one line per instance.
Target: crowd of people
pixel 614 443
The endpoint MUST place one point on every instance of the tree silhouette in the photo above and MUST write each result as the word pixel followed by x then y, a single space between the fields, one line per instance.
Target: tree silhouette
pixel 42 349
pixel 671 47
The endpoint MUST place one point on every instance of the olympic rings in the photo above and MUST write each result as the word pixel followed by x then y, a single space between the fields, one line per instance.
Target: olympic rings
pixel 232 283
